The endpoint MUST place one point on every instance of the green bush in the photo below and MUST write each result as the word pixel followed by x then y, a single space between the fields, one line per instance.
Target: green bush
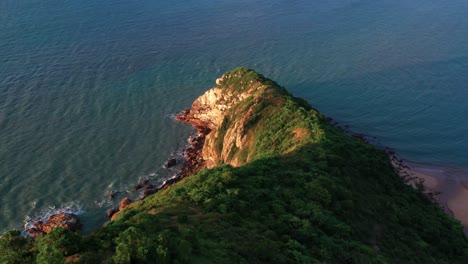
pixel 15 249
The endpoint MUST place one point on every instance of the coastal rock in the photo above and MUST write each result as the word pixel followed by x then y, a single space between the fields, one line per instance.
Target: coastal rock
pixel 115 215
pixel 111 212
pixel 137 187
pixel 171 181
pixel 113 194
pixel 170 163
pixel 144 182
pixel 222 114
pixel 62 219
pixel 149 189
pixel 124 203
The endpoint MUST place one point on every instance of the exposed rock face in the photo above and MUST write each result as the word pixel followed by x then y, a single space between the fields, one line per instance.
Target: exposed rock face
pixel 64 220
pixel 224 118
pixel 211 113
pixel 112 213
pixel 221 117
pixel 124 203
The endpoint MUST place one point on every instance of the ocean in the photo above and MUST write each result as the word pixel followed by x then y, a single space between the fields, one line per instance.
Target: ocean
pixel 88 88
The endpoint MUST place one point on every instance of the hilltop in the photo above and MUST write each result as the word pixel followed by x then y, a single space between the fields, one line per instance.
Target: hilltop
pixel 271 181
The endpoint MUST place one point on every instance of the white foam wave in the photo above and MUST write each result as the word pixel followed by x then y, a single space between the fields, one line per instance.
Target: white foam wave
pixel 103 203
pixel 71 208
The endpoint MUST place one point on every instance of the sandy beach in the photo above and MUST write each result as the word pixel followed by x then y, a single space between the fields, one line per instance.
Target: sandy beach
pixel 449 186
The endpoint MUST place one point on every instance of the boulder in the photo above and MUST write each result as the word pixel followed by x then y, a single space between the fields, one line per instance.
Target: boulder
pixel 137 187
pixel 171 163
pixel 124 203
pixel 111 212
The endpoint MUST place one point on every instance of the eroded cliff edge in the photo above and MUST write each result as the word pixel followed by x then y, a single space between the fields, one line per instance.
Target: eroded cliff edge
pixel 242 119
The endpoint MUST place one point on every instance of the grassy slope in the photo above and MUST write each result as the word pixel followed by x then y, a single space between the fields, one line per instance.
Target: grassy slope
pixel 310 194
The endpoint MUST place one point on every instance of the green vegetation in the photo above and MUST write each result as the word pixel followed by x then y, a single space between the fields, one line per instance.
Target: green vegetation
pixel 309 194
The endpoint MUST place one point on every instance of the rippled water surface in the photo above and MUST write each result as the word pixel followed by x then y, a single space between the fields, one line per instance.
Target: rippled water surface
pixel 87 88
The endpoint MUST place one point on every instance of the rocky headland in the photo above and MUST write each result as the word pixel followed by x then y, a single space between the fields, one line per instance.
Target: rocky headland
pixel 266 179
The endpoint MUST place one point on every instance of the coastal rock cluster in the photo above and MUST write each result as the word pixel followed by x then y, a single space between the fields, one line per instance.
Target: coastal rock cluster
pixel 193 161
pixel 193 154
pixel 62 219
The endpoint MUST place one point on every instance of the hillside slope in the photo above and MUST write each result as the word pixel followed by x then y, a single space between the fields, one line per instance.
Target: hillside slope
pixel 282 186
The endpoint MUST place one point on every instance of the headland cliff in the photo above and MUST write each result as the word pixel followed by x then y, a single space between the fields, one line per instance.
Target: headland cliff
pixel 267 179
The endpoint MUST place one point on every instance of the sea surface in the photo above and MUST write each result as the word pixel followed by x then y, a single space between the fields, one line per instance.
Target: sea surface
pixel 88 88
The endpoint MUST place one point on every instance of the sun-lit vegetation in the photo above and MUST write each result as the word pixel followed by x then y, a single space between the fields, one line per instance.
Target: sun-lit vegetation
pixel 309 194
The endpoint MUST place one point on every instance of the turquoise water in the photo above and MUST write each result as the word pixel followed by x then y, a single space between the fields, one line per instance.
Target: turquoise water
pixel 87 88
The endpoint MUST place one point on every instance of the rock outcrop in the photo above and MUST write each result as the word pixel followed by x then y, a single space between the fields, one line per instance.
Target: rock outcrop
pixel 225 120
pixel 170 163
pixel 62 219
pixel 222 113
pixel 124 203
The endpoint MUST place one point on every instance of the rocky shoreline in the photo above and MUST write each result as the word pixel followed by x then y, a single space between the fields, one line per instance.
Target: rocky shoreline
pixel 192 161
pixel 193 155
pixel 206 114
pixel 64 220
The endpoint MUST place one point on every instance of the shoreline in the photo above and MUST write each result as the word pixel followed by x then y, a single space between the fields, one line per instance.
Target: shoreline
pixel 443 185
pixel 446 186
pixel 190 161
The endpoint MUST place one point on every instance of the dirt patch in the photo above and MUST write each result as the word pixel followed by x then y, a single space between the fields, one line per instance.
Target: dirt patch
pixel 299 133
